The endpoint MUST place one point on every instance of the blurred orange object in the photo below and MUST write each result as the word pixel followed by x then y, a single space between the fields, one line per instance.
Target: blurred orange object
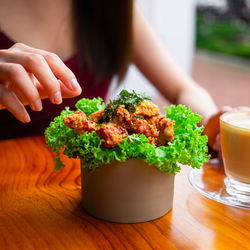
pixel 212 128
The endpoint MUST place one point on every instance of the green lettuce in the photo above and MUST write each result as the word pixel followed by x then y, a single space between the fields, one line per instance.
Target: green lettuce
pixel 89 106
pixel 189 147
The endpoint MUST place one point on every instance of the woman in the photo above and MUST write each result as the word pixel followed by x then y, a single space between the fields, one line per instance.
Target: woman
pixel 96 40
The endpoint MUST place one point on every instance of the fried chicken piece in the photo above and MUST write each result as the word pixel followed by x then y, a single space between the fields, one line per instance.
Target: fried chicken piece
pixel 122 115
pixel 111 134
pixel 140 126
pixel 79 122
pixel 96 117
pixel 154 120
pixel 165 127
pixel 166 131
pixel 147 109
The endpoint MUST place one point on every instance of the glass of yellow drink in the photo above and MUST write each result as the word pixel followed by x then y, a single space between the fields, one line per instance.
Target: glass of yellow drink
pixel 235 142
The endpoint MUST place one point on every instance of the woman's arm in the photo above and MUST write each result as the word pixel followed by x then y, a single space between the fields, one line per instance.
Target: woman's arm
pixel 150 56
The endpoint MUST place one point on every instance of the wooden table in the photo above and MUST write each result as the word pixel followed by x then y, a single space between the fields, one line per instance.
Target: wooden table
pixel 40 209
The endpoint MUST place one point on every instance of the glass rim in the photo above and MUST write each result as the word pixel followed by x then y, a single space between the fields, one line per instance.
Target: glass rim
pixel 222 118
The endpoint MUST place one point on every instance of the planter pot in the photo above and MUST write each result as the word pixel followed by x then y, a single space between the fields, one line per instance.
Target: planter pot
pixel 127 192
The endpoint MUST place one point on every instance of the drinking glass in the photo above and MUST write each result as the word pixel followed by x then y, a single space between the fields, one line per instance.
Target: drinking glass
pixel 231 187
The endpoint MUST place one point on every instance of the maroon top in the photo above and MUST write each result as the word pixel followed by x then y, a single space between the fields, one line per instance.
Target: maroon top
pixel 10 127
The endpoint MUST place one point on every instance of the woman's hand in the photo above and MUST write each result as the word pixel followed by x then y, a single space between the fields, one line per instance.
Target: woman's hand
pixel 28 75
pixel 212 128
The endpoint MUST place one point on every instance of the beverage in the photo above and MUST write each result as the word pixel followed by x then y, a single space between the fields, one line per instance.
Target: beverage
pixel 235 141
pixel 233 188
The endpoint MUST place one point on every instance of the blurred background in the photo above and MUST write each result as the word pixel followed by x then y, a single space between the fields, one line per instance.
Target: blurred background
pixel 209 39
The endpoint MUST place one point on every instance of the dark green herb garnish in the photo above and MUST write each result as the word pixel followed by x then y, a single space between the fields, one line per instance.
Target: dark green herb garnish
pixel 138 116
pixel 129 99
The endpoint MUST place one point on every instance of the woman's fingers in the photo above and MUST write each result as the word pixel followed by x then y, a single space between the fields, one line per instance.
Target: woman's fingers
pixel 239 108
pixel 9 100
pixel 46 67
pixel 66 92
pixel 37 65
pixel 242 108
pixel 59 69
pixel 62 72
pixel 19 78
pixel 27 75
pixel 21 97
pixel 217 144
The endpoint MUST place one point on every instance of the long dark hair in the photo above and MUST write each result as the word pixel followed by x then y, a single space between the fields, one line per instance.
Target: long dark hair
pixel 103 31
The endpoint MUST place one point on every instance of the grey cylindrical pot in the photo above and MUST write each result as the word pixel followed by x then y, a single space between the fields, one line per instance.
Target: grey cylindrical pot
pixel 127 192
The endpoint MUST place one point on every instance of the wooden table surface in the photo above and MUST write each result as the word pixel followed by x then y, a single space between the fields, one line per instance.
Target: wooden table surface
pixel 40 209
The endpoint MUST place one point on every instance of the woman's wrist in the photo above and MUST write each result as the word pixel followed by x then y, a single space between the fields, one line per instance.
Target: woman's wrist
pixel 199 100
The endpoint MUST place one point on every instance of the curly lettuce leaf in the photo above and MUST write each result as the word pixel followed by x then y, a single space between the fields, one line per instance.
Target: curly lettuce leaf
pixel 89 106
pixel 59 137
pixel 189 147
